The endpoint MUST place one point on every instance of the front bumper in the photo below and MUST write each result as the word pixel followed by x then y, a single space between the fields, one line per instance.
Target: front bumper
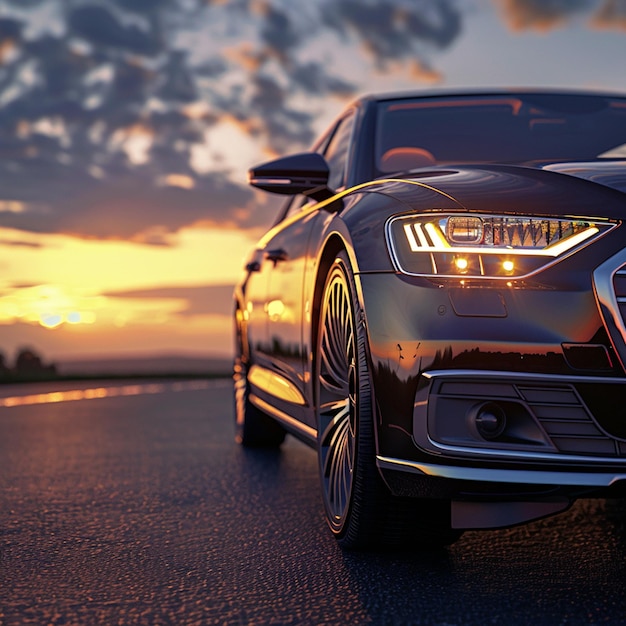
pixel 482 498
pixel 559 440
pixel 509 400
pixel 546 477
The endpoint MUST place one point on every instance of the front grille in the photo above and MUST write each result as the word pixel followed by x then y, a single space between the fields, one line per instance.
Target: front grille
pixel 567 421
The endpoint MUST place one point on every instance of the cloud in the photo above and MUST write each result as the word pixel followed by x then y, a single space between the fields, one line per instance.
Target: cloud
pixel 312 78
pixel 391 30
pixel 200 300
pixel 20 244
pixel 100 27
pixel 544 15
pixel 99 101
pixel 611 15
pixel 540 15
pixel 125 208
pixel 26 3
pixel 10 29
pixel 425 73
pixel 278 32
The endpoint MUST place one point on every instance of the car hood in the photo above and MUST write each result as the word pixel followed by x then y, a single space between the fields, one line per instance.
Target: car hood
pixel 596 189
pixel 609 173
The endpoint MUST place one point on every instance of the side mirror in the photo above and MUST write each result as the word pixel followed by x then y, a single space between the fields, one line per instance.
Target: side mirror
pixel 305 173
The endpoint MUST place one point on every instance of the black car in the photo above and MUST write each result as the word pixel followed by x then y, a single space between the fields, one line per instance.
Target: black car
pixel 440 311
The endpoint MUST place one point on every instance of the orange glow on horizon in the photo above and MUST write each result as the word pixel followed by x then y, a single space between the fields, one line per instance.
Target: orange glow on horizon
pixel 69 296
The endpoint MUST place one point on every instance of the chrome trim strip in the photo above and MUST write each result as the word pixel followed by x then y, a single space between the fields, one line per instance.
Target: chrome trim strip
pixel 525 376
pixel 526 455
pixel 608 303
pixel 527 477
pixel 291 422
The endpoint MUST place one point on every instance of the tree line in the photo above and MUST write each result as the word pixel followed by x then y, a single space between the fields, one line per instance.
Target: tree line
pixel 28 365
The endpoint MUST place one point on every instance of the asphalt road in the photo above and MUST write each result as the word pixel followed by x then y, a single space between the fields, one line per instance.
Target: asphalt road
pixel 134 506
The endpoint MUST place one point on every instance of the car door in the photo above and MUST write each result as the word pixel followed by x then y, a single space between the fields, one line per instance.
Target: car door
pixel 278 305
pixel 272 311
pixel 286 255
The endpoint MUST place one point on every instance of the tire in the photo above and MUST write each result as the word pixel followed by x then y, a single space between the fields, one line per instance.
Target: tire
pixel 360 510
pixel 253 428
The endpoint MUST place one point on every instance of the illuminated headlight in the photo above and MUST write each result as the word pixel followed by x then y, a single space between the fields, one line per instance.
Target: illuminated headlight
pixel 484 246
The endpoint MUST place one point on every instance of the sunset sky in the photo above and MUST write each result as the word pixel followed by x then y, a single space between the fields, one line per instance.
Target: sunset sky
pixel 127 127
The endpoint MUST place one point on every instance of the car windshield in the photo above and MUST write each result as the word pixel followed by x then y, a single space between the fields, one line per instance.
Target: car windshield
pixel 503 129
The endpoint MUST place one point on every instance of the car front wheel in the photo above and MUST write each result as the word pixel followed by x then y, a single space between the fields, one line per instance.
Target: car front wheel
pixel 360 510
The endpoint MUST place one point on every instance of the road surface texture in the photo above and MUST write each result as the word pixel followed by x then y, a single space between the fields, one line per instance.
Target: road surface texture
pixel 130 503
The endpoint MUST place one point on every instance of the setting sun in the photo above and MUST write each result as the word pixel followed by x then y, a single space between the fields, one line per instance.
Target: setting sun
pixel 47 305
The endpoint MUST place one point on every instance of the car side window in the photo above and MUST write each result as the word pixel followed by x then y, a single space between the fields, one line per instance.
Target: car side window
pixel 336 153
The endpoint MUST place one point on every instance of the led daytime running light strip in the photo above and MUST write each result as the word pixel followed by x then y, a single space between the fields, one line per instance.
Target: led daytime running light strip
pixel 427 238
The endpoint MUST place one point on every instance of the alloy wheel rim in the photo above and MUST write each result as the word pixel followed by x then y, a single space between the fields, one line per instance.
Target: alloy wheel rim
pixel 337 386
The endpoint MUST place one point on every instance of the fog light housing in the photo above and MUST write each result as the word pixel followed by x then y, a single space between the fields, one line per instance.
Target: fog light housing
pixel 487 420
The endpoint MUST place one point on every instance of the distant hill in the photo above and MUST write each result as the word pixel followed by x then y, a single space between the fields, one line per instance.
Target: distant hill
pixel 149 366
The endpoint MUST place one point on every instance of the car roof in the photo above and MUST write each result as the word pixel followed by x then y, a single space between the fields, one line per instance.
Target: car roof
pixel 454 92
